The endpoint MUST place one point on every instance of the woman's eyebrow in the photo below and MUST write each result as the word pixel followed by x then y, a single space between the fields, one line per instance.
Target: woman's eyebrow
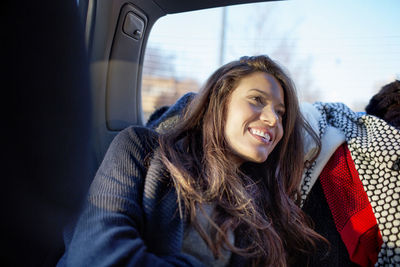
pixel 260 91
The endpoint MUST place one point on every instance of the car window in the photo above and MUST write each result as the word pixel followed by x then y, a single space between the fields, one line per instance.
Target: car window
pixel 336 51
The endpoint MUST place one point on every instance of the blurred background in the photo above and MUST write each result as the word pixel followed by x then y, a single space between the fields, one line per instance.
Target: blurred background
pixel 335 51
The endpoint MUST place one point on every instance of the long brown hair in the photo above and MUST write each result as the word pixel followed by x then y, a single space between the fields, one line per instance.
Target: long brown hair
pixel 258 201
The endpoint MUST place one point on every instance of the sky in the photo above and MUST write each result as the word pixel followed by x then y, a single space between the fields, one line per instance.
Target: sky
pixel 336 51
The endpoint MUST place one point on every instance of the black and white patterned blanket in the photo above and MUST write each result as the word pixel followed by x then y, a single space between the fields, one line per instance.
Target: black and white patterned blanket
pixel 375 148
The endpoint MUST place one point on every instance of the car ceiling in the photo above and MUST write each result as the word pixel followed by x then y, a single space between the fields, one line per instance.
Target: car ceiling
pixel 176 6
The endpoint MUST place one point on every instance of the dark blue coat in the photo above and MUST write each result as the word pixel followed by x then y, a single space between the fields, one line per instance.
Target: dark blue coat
pixel 131 217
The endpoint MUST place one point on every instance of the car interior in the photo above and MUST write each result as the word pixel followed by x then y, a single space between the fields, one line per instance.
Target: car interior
pixel 74 68
pixel 73 81
pixel 116 35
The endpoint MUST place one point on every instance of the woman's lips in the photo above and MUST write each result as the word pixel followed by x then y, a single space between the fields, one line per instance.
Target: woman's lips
pixel 261 135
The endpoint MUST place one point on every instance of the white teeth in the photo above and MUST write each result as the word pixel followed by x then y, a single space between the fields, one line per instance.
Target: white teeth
pixel 261 133
pixel 267 137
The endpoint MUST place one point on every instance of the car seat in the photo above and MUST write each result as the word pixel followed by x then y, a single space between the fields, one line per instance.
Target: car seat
pixel 46 128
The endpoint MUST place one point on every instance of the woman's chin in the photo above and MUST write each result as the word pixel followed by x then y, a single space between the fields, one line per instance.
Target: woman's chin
pixel 255 158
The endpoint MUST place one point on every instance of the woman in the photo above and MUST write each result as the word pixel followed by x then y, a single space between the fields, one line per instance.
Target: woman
pixel 220 188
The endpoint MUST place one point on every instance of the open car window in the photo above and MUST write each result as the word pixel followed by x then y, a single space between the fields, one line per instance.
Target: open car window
pixel 337 51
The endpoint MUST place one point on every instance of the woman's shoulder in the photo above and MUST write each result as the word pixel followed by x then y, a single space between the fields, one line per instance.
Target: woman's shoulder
pixel 137 139
pixel 138 134
pixel 138 131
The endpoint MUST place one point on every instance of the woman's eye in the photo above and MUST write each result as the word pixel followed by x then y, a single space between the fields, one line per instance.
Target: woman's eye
pixel 280 113
pixel 257 99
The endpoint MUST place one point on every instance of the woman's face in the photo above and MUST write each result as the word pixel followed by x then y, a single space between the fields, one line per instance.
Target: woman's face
pixel 254 117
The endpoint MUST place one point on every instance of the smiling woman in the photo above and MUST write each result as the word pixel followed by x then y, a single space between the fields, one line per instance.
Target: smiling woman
pixel 238 171
pixel 220 167
pixel 254 117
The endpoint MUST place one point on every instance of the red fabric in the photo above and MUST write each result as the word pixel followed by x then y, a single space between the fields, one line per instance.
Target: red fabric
pixel 350 208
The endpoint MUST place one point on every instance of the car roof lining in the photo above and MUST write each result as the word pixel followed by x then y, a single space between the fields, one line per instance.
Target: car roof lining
pixel 176 6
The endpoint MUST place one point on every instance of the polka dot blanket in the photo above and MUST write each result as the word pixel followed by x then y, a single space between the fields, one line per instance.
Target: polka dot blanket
pixel 374 146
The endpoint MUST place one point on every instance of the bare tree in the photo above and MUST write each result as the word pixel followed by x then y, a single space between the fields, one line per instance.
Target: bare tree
pixel 283 49
pixel 159 63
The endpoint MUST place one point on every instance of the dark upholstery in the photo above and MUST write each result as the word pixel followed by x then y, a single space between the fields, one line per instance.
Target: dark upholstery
pixel 317 208
pixel 46 128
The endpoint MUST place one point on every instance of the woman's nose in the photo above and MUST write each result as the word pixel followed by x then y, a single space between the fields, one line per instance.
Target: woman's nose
pixel 269 116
